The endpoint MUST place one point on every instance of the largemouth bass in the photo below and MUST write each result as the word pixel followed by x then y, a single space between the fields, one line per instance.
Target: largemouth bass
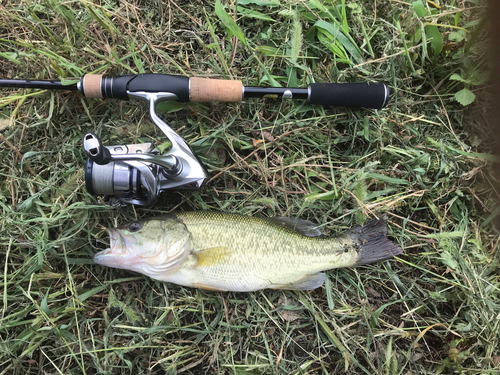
pixel 229 252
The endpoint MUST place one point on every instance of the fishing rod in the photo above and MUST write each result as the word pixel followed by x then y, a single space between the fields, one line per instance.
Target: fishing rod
pixel 138 173
pixel 194 89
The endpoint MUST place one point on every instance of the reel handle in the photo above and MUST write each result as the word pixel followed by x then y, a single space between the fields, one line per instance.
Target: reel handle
pixel 95 150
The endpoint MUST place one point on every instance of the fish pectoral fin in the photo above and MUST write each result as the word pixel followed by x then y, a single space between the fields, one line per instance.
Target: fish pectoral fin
pixel 308 282
pixel 213 256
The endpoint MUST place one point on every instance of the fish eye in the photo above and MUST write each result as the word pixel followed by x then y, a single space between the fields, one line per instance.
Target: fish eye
pixel 135 227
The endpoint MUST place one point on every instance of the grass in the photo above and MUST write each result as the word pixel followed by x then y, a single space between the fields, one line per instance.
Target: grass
pixel 425 159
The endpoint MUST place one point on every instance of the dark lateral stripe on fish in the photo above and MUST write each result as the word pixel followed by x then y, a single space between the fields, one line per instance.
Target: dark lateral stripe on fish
pixel 373 242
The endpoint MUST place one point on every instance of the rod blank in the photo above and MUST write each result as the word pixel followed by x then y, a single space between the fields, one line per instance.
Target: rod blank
pixel 33 84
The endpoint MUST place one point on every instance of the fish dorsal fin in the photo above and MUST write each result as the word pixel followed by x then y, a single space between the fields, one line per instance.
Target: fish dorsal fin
pixel 301 226
pixel 308 282
pixel 213 256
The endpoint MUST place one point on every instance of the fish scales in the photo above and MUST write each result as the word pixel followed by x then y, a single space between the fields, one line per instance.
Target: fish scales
pixel 256 240
pixel 230 252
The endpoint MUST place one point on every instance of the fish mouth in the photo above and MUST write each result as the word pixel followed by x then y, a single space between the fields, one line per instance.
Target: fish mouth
pixel 117 252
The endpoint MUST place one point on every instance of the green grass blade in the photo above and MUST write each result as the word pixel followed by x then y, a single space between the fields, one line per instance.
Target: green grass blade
pixel 336 34
pixel 229 23
pixel 252 13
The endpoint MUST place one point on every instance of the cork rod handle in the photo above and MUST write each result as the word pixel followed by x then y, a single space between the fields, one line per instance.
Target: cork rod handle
pixel 215 90
pixel 91 84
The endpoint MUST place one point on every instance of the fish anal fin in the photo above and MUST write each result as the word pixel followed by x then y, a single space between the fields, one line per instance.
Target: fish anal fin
pixel 208 287
pixel 308 282
pixel 212 256
pixel 304 227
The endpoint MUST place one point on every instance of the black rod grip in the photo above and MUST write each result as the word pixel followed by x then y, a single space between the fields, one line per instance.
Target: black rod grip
pixel 98 86
pixel 154 82
pixel 362 94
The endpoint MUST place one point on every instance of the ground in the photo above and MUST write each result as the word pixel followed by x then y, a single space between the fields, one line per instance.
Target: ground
pixel 426 160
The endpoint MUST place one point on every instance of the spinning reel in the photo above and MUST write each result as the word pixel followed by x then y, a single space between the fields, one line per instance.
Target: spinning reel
pixel 138 173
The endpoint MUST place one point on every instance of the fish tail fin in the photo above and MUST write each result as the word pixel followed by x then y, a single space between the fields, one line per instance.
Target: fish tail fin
pixel 373 242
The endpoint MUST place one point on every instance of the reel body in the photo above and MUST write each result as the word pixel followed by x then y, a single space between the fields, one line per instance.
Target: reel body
pixel 138 173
